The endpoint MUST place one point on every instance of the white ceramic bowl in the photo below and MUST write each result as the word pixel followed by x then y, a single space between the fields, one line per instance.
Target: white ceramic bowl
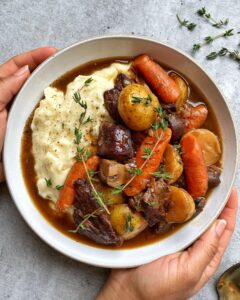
pixel 66 60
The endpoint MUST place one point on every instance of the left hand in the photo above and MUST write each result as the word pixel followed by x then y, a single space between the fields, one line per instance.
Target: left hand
pixel 13 73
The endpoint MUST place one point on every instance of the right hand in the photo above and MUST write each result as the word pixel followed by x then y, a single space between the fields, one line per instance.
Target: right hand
pixel 177 276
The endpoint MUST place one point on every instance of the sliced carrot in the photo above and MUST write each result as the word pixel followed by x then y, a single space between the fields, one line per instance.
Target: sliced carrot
pixel 162 84
pixel 77 171
pixel 140 181
pixel 194 166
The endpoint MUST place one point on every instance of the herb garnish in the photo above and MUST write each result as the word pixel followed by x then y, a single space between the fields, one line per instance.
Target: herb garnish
pixel 147 152
pixel 161 173
pixel 234 54
pixel 206 15
pixel 210 39
pixel 177 148
pixel 48 182
pixel 162 119
pixel 146 101
pixel 128 224
pixel 135 171
pixel 94 214
pixel 184 22
pixel 59 187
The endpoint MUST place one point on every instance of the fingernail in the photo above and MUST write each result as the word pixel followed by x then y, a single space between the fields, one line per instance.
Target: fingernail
pixel 220 227
pixel 21 71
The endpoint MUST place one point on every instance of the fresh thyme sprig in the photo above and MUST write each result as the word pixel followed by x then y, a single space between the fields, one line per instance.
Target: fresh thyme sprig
pixel 83 104
pixel 97 195
pixel 94 214
pixel 184 22
pixel 210 39
pixel 206 15
pixel 146 101
pixel 233 54
pixel 162 119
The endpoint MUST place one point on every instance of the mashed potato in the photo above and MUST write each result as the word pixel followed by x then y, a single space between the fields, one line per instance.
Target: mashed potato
pixel 54 122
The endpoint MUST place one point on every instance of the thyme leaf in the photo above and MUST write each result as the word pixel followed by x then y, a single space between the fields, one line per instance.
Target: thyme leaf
pixel 146 101
pixel 59 187
pixel 128 224
pixel 48 182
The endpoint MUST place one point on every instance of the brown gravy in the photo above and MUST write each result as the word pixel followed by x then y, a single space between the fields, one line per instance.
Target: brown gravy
pixel 64 223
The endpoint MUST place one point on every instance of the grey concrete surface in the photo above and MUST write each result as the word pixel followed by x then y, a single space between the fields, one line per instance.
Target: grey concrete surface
pixel 29 269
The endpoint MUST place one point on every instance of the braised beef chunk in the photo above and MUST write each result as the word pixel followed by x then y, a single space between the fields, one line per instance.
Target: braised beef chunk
pixel 98 227
pixel 200 202
pixel 111 96
pixel 111 103
pixel 153 203
pixel 122 81
pixel 114 142
pixel 177 126
pixel 213 176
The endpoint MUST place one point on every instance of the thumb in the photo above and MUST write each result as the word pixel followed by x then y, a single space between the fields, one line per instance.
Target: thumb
pixel 10 85
pixel 204 249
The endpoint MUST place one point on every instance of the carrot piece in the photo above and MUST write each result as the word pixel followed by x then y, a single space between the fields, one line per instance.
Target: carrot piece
pixel 163 85
pixel 140 181
pixel 194 166
pixel 77 171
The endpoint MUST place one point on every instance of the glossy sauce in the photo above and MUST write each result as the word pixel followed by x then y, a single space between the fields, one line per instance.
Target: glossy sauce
pixel 63 222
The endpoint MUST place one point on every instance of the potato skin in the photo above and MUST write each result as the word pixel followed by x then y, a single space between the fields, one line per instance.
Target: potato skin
pixel 137 116
pixel 118 216
pixel 173 163
pixel 182 206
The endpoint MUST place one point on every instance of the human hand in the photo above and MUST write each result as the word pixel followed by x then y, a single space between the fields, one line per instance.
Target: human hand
pixel 13 73
pixel 177 276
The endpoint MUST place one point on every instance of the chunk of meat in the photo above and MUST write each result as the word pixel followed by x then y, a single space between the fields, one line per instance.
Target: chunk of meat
pixel 111 103
pixel 122 81
pixel 213 176
pixel 177 126
pixel 111 96
pixel 153 203
pixel 114 142
pixel 113 173
pixel 98 228
pixel 193 116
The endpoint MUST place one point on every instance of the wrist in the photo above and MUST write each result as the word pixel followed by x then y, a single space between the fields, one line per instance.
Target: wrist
pixel 118 286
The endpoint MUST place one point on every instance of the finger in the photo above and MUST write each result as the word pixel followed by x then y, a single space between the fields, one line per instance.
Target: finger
pixel 229 214
pixel 9 86
pixel 205 248
pixel 32 59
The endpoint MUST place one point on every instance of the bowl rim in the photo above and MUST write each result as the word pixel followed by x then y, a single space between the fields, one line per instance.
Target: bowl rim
pixel 106 37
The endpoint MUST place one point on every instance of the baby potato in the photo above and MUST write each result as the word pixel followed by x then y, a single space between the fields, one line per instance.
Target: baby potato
pixel 182 206
pixel 126 223
pixel 173 163
pixel 183 89
pixel 136 106
pixel 209 144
